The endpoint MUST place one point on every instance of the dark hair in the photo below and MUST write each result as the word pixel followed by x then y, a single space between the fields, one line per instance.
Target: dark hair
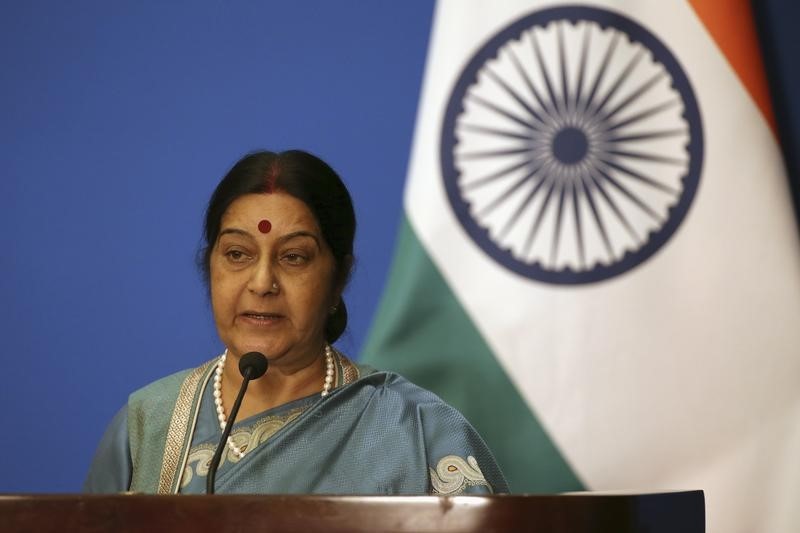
pixel 310 180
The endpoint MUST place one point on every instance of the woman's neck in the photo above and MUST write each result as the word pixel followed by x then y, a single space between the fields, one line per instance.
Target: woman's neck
pixel 277 387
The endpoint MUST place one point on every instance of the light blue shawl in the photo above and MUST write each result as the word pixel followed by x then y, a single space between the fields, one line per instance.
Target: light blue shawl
pixel 376 433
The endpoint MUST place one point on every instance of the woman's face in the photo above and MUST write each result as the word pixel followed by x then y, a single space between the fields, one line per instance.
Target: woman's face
pixel 268 239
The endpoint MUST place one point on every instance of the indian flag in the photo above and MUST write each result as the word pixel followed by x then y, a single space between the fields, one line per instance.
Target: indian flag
pixel 599 259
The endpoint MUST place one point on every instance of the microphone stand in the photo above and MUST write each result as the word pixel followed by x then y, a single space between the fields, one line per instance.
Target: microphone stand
pixel 248 370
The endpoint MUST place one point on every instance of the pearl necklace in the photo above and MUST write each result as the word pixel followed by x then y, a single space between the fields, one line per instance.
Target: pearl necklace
pixel 223 420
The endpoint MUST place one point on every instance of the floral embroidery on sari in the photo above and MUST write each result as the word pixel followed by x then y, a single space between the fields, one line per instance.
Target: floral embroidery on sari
pixel 453 475
pixel 245 437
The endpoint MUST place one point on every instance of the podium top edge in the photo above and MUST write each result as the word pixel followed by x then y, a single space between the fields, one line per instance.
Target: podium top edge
pixel 369 497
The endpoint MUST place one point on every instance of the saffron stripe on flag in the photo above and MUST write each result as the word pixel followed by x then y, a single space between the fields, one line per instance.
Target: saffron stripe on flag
pixel 734 31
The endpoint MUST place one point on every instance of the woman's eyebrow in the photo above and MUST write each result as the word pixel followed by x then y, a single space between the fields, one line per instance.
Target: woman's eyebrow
pixel 235 231
pixel 295 234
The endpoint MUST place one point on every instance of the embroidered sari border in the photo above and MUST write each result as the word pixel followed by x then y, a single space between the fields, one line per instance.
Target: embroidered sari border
pixel 347 372
pixel 184 418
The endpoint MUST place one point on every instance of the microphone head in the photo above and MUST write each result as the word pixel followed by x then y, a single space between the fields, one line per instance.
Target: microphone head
pixel 256 362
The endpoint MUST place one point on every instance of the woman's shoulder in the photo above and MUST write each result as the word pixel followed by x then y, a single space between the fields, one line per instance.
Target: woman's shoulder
pixel 458 459
pixel 392 388
pixel 367 380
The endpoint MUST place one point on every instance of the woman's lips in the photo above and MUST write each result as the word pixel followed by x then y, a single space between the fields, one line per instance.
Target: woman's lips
pixel 260 319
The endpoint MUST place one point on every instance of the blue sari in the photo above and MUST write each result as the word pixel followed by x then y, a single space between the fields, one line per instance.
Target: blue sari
pixel 375 433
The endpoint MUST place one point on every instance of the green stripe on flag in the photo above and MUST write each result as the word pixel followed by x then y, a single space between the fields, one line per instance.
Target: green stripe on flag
pixel 421 332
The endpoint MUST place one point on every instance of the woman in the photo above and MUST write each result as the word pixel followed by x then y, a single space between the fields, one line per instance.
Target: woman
pixel 279 233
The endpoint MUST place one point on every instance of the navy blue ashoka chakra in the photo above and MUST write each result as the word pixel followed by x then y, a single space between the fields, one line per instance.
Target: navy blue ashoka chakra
pixel 572 145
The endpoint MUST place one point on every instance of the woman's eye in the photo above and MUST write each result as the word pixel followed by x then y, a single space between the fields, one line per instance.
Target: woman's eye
pixel 295 259
pixel 236 256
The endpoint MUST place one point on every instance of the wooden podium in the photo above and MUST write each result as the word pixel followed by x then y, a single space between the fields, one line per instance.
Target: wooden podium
pixel 672 512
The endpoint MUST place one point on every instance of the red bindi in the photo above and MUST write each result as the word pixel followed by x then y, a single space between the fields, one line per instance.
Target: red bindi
pixel 264 226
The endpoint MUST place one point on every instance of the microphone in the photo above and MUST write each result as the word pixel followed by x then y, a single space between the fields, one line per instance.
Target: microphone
pixel 252 365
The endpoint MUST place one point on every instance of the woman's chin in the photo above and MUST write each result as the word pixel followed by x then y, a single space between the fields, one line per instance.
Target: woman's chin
pixel 266 348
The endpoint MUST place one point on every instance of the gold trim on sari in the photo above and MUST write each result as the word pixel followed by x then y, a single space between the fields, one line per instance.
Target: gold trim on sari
pixel 184 418
pixel 346 371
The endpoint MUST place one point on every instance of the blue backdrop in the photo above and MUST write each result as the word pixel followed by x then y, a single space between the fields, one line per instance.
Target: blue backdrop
pixel 117 119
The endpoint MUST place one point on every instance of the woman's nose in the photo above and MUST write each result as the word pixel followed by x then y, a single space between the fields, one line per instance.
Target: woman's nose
pixel 262 280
